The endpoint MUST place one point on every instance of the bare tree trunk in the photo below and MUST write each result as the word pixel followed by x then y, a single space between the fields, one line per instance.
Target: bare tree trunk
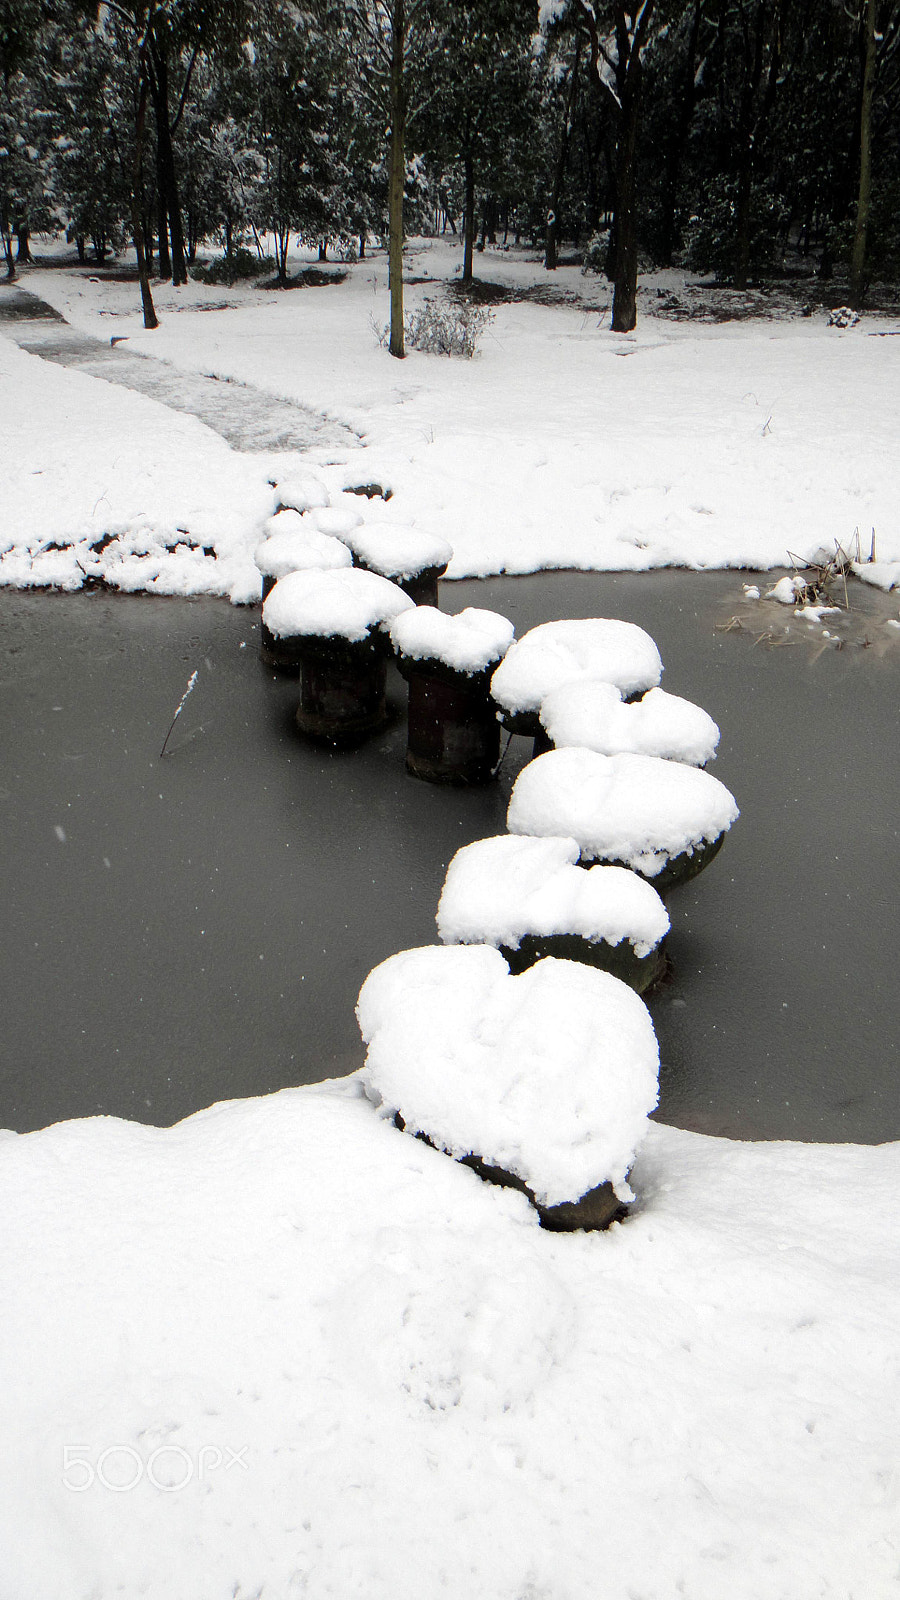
pixel 397 178
pixel 166 168
pixel 162 218
pixel 624 311
pixel 632 31
pixel 551 248
pixel 760 39
pixel 678 143
pixel 858 258
pixel 741 273
pixel 469 237
pixel 150 318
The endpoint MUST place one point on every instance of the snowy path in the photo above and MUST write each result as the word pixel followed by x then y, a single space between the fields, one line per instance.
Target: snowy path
pixel 248 418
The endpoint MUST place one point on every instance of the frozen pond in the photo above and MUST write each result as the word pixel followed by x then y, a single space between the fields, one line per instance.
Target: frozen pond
pixel 185 930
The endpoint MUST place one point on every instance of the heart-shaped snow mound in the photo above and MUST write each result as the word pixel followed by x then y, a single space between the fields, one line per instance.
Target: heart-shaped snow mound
pixel 550 1075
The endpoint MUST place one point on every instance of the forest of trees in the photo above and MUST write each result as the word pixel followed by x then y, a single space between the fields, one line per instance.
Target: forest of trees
pixel 715 134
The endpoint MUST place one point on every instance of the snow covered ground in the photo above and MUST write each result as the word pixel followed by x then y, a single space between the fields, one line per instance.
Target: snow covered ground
pixel 561 445
pixel 283 1349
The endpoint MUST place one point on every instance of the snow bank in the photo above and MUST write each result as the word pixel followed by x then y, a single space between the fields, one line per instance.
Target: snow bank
pixel 101 482
pixel 563 444
pixel 883 574
pixel 497 890
pixel 697 1402
pixel 398 551
pixel 636 809
pixel 560 652
pixel 343 603
pixel 550 1075
pixel 351 1354
pixel 468 641
pixel 594 716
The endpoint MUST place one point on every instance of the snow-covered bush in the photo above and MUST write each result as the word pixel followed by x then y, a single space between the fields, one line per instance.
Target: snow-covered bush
pixel 444 330
pixel 232 268
pixel 596 255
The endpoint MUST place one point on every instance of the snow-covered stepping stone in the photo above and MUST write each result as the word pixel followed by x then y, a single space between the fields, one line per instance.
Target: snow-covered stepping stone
pixel 339 521
pixel 660 818
pixel 408 556
pixel 593 715
pixel 334 625
pixel 529 898
pixel 543 1081
pixel 292 545
pixel 301 492
pixel 454 735
pixel 616 652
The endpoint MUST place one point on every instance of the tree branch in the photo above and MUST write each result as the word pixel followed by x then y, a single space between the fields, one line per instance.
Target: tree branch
pixel 184 93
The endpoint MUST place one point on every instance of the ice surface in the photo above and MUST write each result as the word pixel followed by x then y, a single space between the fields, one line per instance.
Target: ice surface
pixel 342 603
pixel 396 550
pixel 560 652
pixel 292 546
pixel 594 715
pixel 550 1075
pixel 499 889
pixel 635 809
pixel 468 640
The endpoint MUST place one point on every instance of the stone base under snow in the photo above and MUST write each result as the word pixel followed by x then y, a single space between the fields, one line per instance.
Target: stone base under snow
pixel 594 1211
pixel 619 960
pixel 343 689
pixel 453 735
